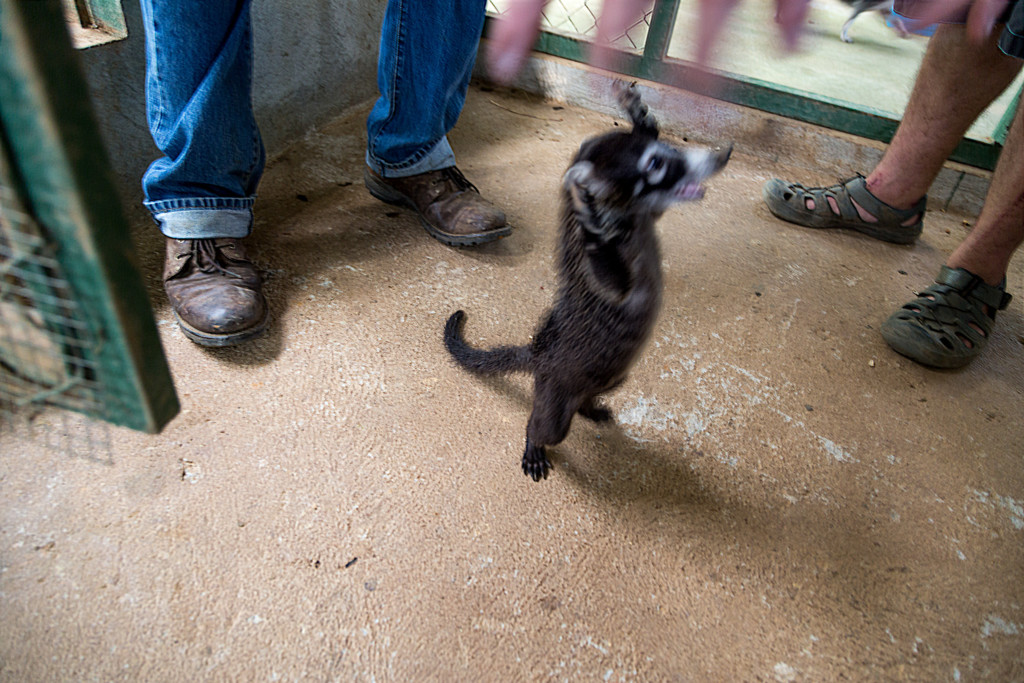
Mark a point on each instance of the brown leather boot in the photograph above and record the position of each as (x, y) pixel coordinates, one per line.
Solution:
(215, 291)
(450, 207)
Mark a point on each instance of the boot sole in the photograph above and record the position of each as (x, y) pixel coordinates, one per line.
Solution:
(211, 340)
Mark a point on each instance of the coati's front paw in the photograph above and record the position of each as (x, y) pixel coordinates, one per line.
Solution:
(535, 462)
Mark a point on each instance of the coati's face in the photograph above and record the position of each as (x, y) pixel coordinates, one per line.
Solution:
(619, 174)
(636, 172)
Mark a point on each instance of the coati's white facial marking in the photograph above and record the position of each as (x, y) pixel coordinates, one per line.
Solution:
(666, 174)
(651, 164)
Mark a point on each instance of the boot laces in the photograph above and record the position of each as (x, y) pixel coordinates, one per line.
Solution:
(454, 175)
(209, 259)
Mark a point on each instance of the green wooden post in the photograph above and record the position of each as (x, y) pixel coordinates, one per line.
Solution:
(1003, 127)
(663, 19)
(60, 165)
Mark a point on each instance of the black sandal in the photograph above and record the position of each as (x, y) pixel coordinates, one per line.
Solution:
(947, 326)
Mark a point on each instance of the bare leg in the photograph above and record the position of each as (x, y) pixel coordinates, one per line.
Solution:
(955, 83)
(987, 250)
(957, 80)
(936, 331)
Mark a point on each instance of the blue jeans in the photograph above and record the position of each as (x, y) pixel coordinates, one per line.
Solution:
(199, 104)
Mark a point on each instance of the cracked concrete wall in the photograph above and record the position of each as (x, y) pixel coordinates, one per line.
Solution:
(313, 60)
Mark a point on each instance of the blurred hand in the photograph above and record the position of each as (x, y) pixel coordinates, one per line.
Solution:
(981, 15)
(791, 16)
(515, 32)
(512, 38)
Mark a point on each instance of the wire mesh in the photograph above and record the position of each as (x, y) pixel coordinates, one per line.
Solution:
(578, 19)
(47, 348)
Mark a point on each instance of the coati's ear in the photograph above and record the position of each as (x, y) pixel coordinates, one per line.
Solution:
(587, 192)
(583, 188)
(629, 99)
(577, 182)
(578, 175)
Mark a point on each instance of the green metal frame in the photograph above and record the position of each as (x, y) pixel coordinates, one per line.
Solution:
(655, 65)
(105, 14)
(61, 169)
(1003, 127)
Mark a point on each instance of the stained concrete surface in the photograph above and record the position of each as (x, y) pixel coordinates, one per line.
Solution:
(780, 498)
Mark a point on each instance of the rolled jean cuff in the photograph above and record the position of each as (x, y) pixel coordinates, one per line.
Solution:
(440, 156)
(195, 224)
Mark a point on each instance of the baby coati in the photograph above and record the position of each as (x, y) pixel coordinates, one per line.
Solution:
(609, 277)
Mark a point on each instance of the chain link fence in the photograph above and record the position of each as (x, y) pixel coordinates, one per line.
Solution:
(47, 348)
(578, 19)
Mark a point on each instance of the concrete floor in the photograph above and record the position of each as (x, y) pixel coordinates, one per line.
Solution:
(781, 497)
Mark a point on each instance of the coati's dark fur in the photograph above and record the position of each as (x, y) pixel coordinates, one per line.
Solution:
(609, 277)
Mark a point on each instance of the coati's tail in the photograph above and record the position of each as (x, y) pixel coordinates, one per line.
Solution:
(484, 362)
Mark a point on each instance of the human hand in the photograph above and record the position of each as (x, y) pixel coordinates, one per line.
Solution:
(516, 31)
(981, 15)
(512, 37)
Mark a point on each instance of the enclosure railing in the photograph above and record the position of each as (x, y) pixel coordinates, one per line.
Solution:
(643, 50)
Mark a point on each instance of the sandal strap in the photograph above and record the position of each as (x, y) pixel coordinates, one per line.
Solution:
(942, 309)
(857, 188)
(820, 196)
(851, 190)
(967, 284)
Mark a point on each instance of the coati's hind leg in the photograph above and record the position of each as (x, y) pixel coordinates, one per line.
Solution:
(592, 408)
(594, 411)
(549, 423)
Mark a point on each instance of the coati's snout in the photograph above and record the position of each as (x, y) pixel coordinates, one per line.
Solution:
(680, 173)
